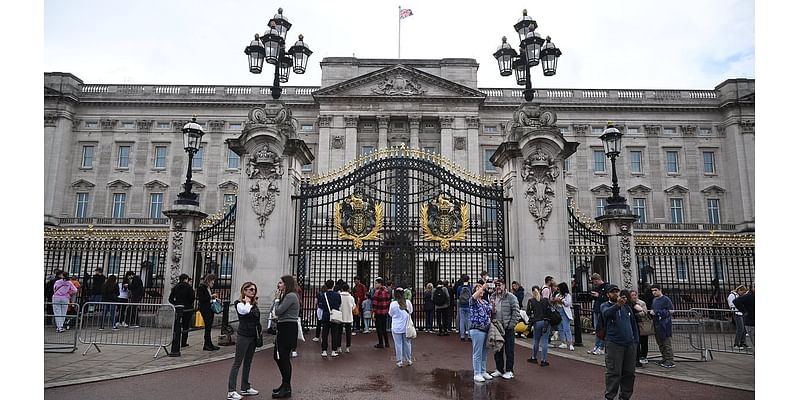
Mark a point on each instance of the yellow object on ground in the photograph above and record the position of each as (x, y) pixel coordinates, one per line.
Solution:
(198, 320)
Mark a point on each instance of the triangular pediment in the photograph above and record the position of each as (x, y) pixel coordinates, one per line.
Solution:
(601, 189)
(156, 184)
(119, 184)
(640, 189)
(571, 189)
(228, 185)
(198, 185)
(82, 184)
(677, 189)
(713, 189)
(398, 82)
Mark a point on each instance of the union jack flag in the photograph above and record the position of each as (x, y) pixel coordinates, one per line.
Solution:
(405, 13)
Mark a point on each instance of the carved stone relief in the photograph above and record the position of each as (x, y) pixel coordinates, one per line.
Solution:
(216, 125)
(540, 172)
(459, 143)
(747, 126)
(77, 124)
(473, 122)
(688, 130)
(50, 119)
(177, 253)
(108, 124)
(325, 121)
(144, 125)
(580, 129)
(264, 167)
(351, 121)
(337, 142)
(653, 130)
(399, 86)
(625, 255)
(446, 122)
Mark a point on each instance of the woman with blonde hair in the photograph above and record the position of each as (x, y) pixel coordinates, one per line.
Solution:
(427, 306)
(536, 308)
(249, 325)
(400, 310)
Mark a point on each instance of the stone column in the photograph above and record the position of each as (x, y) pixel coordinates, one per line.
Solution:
(473, 145)
(622, 269)
(264, 215)
(184, 222)
(383, 131)
(338, 139)
(530, 158)
(323, 149)
(62, 95)
(446, 129)
(413, 122)
(350, 138)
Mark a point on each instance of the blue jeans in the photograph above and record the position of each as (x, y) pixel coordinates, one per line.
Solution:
(428, 320)
(479, 350)
(541, 330)
(463, 321)
(109, 309)
(600, 344)
(564, 329)
(402, 347)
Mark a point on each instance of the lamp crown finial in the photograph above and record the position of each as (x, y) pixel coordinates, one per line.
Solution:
(194, 117)
(300, 37)
(505, 39)
(280, 10)
(610, 123)
(257, 37)
(524, 12)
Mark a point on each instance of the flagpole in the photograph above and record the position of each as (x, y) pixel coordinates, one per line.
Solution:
(398, 31)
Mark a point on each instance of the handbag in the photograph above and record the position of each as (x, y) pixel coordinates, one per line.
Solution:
(646, 327)
(259, 336)
(300, 336)
(216, 306)
(198, 320)
(356, 311)
(336, 315)
(411, 331)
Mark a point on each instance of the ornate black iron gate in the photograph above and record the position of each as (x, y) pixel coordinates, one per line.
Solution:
(405, 215)
(213, 250)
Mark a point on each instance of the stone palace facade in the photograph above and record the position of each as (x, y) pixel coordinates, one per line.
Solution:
(114, 152)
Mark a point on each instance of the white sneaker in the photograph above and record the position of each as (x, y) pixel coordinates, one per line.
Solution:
(571, 348)
(124, 325)
(366, 332)
(478, 378)
(347, 350)
(334, 354)
(324, 353)
(249, 392)
(316, 339)
(643, 361)
(294, 354)
(562, 346)
(409, 363)
(234, 396)
(353, 334)
(399, 364)
(508, 375)
(592, 351)
(116, 325)
(496, 373)
(486, 376)
(599, 352)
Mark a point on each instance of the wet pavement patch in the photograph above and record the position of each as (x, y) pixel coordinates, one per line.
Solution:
(459, 385)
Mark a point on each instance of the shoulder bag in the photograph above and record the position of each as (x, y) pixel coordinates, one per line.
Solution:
(259, 336)
(411, 331)
(336, 315)
(646, 327)
(216, 306)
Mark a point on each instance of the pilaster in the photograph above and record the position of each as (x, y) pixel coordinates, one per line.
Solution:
(413, 122)
(323, 149)
(473, 145)
(383, 131)
(446, 129)
(350, 137)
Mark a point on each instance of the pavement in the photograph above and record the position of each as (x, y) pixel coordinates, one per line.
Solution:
(726, 370)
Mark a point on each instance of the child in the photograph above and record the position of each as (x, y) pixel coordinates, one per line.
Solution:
(366, 312)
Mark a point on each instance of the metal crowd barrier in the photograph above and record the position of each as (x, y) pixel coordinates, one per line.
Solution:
(60, 342)
(720, 331)
(688, 338)
(126, 324)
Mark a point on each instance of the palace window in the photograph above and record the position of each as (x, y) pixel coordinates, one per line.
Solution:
(160, 158)
(676, 210)
(156, 204)
(233, 160)
(712, 205)
(599, 206)
(599, 161)
(709, 166)
(487, 160)
(82, 205)
(636, 161)
(88, 156)
(118, 210)
(640, 209)
(123, 156)
(672, 162)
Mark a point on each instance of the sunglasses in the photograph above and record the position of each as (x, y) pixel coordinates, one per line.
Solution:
(250, 288)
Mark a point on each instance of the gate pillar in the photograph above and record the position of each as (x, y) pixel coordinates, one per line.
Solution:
(272, 155)
(532, 158)
(622, 270)
(184, 221)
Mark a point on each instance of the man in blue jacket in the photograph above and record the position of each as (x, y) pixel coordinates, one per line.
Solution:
(622, 340)
(662, 321)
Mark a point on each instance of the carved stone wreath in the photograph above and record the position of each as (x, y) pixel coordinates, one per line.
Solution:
(530, 116)
(541, 172)
(264, 167)
(177, 253)
(625, 255)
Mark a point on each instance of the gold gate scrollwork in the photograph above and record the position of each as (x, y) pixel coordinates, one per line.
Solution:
(358, 218)
(444, 219)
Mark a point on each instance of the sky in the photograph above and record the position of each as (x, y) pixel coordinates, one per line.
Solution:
(612, 44)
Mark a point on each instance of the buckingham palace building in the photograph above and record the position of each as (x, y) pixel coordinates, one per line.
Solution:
(115, 162)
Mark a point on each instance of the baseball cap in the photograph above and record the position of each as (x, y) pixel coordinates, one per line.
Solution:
(612, 287)
(379, 280)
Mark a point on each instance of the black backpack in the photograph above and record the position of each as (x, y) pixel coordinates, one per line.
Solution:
(439, 297)
(464, 295)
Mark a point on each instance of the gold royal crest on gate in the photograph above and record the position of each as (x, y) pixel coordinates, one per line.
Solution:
(358, 218)
(444, 219)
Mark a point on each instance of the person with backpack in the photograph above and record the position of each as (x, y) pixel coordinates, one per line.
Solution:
(441, 303)
(599, 292)
(622, 341)
(506, 312)
(463, 293)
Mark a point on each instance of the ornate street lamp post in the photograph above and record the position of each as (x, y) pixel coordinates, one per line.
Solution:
(271, 47)
(533, 50)
(612, 142)
(192, 133)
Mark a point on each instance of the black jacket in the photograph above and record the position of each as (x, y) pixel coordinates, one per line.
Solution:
(203, 298)
(136, 288)
(97, 284)
(182, 294)
(747, 305)
(535, 309)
